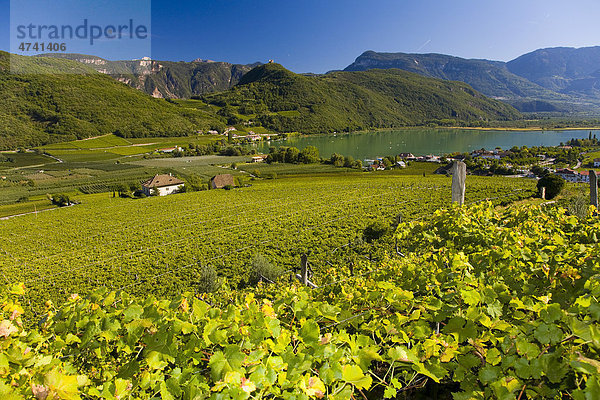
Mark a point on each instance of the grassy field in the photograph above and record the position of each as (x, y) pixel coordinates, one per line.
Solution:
(589, 158)
(94, 171)
(18, 160)
(157, 244)
(93, 143)
(27, 183)
(113, 147)
(293, 169)
(26, 207)
(82, 155)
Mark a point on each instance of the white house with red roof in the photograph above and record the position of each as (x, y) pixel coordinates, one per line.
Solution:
(163, 185)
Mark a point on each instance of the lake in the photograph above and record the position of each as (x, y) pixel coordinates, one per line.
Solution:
(425, 141)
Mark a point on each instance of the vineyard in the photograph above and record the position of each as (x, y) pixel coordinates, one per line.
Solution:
(479, 302)
(160, 245)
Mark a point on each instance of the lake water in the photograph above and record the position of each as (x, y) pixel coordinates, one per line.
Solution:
(425, 141)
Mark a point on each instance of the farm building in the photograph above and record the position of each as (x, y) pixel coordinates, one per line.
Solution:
(570, 175)
(170, 149)
(220, 181)
(259, 158)
(164, 184)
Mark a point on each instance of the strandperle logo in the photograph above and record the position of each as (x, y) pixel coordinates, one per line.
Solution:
(81, 30)
(85, 31)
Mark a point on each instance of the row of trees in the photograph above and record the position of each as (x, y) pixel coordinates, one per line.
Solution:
(292, 155)
(339, 160)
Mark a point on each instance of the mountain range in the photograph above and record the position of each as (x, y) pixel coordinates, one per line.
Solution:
(55, 99)
(546, 80)
(72, 96)
(553, 79)
(167, 79)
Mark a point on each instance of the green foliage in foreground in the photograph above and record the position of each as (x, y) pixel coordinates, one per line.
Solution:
(349, 101)
(61, 100)
(486, 304)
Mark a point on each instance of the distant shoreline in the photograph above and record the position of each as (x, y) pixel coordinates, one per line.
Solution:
(470, 128)
(533, 129)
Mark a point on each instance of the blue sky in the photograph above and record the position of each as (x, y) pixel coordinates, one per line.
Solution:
(317, 36)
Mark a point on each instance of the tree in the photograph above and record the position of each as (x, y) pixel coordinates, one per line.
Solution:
(263, 270)
(349, 162)
(208, 280)
(133, 186)
(553, 184)
(291, 155)
(194, 183)
(337, 160)
(376, 230)
(309, 155)
(539, 171)
(60, 200)
(122, 189)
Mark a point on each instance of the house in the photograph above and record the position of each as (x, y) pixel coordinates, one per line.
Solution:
(220, 181)
(170, 149)
(489, 155)
(584, 176)
(596, 162)
(375, 167)
(568, 174)
(406, 155)
(430, 158)
(259, 158)
(163, 184)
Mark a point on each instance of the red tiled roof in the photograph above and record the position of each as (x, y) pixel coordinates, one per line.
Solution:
(220, 181)
(162, 181)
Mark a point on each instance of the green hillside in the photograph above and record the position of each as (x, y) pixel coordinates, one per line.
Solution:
(62, 100)
(347, 101)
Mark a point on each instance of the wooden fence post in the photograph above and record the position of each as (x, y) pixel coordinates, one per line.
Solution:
(459, 177)
(304, 267)
(593, 188)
